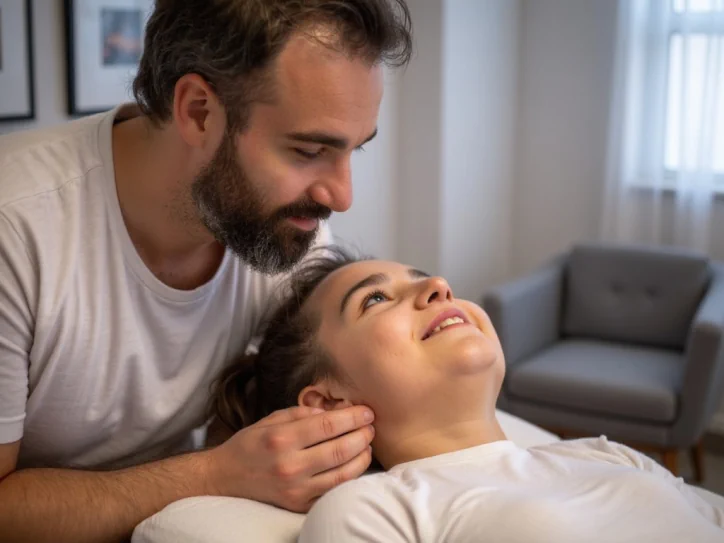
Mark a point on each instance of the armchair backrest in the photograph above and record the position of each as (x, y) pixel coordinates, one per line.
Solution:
(633, 294)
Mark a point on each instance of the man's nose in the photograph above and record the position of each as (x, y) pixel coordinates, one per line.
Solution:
(335, 189)
(433, 289)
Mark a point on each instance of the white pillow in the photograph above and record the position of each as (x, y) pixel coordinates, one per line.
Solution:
(211, 519)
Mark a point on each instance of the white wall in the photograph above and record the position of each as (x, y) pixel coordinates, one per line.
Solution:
(457, 110)
(566, 63)
(479, 101)
(371, 223)
(420, 133)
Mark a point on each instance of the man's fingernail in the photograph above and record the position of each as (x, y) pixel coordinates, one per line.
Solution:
(368, 415)
(317, 410)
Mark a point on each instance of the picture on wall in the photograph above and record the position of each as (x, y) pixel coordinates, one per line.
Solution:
(104, 46)
(17, 99)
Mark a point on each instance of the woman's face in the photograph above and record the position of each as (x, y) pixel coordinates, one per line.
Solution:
(403, 341)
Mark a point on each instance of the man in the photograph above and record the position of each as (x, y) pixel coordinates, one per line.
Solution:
(139, 250)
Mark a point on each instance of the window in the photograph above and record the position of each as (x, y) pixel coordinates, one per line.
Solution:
(695, 86)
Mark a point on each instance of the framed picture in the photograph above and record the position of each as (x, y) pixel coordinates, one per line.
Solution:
(104, 45)
(17, 99)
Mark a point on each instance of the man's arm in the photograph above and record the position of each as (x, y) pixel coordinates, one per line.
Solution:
(289, 459)
(58, 505)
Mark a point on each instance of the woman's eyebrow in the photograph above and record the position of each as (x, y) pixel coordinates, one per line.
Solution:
(374, 279)
(417, 274)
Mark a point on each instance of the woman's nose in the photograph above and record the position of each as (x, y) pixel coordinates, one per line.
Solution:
(434, 289)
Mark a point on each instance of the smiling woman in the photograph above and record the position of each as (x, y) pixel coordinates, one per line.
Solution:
(361, 331)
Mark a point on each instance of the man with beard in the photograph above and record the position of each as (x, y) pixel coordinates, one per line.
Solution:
(139, 251)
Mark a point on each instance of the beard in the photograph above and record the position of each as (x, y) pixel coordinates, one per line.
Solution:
(234, 211)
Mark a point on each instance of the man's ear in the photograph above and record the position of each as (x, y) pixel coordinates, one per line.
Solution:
(199, 115)
(322, 396)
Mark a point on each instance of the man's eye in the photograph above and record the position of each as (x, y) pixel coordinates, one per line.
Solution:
(307, 154)
(374, 298)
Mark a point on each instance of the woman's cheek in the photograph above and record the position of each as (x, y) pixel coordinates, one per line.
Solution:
(481, 317)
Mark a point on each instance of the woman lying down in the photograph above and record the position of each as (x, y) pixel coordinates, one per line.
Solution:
(431, 367)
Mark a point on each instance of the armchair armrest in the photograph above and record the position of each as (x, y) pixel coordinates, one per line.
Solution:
(703, 382)
(526, 312)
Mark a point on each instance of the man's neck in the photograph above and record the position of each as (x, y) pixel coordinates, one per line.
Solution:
(152, 176)
(439, 438)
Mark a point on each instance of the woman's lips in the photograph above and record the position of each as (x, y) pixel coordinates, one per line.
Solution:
(442, 317)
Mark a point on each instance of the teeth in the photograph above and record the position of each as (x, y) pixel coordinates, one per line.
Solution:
(447, 322)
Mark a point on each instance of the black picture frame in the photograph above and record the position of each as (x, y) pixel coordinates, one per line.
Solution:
(29, 114)
(94, 68)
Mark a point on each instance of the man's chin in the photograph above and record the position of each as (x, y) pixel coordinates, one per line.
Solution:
(275, 257)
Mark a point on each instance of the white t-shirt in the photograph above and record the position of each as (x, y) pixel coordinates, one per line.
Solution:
(569, 492)
(101, 364)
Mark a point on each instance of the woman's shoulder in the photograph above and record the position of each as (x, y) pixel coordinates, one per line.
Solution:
(367, 503)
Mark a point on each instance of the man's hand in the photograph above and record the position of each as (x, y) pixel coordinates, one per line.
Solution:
(294, 456)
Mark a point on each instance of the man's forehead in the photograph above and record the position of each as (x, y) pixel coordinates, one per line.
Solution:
(312, 74)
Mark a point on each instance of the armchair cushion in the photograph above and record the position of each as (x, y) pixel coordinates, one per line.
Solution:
(605, 378)
(633, 294)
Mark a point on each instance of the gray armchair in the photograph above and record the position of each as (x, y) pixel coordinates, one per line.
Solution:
(622, 341)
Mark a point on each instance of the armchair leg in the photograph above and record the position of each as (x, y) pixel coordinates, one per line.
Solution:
(671, 461)
(697, 460)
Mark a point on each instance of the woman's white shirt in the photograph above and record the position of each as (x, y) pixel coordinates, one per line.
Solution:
(588, 490)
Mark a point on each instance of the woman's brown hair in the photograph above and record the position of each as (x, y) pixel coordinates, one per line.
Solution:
(289, 358)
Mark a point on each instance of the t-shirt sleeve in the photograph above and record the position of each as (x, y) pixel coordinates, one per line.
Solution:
(360, 511)
(17, 278)
(623, 455)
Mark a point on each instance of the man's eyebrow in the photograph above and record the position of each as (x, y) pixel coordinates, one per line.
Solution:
(322, 138)
(376, 279)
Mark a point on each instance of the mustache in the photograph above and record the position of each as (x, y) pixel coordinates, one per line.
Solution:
(306, 209)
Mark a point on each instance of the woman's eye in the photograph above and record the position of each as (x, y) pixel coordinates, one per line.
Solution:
(374, 299)
(307, 154)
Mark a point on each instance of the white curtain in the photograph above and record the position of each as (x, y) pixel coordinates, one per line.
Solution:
(665, 159)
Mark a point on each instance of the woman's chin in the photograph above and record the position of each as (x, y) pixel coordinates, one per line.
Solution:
(471, 356)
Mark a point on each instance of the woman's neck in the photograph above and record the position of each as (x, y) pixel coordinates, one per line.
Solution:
(435, 440)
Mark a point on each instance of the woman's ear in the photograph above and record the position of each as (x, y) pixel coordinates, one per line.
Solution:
(321, 396)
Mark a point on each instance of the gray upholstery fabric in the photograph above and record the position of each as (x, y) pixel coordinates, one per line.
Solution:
(704, 377)
(633, 294)
(531, 303)
(600, 377)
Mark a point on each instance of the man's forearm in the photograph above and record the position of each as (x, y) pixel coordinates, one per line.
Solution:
(59, 505)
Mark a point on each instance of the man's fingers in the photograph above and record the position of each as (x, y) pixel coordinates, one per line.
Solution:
(331, 424)
(324, 482)
(337, 452)
(289, 415)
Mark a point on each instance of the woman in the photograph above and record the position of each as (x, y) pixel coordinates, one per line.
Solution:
(431, 367)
